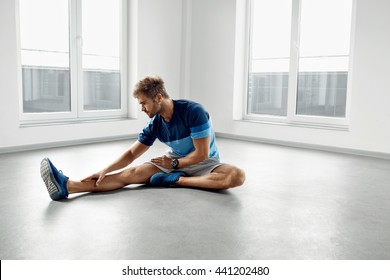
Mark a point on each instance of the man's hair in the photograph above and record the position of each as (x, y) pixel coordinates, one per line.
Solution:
(150, 87)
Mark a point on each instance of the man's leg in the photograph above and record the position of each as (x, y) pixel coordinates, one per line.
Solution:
(224, 176)
(133, 175)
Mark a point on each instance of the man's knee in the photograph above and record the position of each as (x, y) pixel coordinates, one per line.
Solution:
(235, 178)
(238, 177)
(138, 174)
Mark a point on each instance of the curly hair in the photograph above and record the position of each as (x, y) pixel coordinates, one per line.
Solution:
(150, 87)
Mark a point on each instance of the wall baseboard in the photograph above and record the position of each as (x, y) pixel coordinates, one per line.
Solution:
(305, 146)
(40, 146)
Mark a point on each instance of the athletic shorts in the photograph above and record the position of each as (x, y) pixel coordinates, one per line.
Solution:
(201, 168)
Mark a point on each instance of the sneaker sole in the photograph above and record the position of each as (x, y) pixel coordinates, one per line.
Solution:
(47, 178)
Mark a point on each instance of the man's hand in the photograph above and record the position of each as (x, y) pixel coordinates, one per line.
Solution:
(99, 176)
(163, 161)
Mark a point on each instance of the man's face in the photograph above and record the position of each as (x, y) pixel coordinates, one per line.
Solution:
(149, 106)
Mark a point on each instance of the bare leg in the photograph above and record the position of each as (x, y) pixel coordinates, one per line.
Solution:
(133, 175)
(223, 177)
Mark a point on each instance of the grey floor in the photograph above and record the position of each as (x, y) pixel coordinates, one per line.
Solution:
(295, 204)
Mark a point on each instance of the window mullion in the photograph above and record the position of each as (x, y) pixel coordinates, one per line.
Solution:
(80, 80)
(294, 60)
(248, 55)
(75, 42)
(123, 57)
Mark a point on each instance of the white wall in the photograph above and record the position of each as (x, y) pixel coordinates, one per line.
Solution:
(212, 80)
(159, 46)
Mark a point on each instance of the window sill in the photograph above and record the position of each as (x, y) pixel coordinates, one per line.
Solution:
(71, 121)
(300, 124)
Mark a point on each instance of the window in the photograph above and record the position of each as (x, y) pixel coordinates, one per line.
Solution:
(299, 59)
(71, 53)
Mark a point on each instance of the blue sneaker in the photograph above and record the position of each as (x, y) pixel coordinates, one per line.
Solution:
(54, 180)
(166, 179)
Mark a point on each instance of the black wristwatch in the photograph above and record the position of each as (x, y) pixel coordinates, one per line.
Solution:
(175, 163)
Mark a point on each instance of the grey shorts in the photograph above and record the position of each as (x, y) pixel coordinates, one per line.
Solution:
(201, 168)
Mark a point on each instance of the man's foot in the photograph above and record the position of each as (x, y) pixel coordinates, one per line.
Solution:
(54, 180)
(166, 179)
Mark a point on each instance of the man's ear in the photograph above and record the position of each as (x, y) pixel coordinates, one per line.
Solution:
(159, 97)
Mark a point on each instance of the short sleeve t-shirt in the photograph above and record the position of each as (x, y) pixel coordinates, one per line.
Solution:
(189, 121)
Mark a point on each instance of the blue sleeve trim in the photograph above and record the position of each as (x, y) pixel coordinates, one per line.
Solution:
(145, 141)
(201, 131)
(202, 127)
(201, 134)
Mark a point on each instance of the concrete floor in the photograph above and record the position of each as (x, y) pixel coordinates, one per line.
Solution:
(295, 204)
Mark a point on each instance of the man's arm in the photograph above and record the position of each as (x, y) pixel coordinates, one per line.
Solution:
(135, 151)
(201, 152)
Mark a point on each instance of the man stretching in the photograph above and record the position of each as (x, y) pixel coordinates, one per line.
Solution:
(184, 126)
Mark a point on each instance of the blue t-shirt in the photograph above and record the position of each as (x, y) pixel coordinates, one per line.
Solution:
(189, 121)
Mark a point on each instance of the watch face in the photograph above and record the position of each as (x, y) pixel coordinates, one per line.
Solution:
(175, 163)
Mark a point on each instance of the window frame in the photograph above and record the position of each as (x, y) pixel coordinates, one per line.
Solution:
(77, 112)
(292, 118)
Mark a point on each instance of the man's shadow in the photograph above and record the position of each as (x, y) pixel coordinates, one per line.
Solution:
(142, 188)
(54, 207)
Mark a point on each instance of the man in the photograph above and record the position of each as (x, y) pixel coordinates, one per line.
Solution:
(184, 126)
